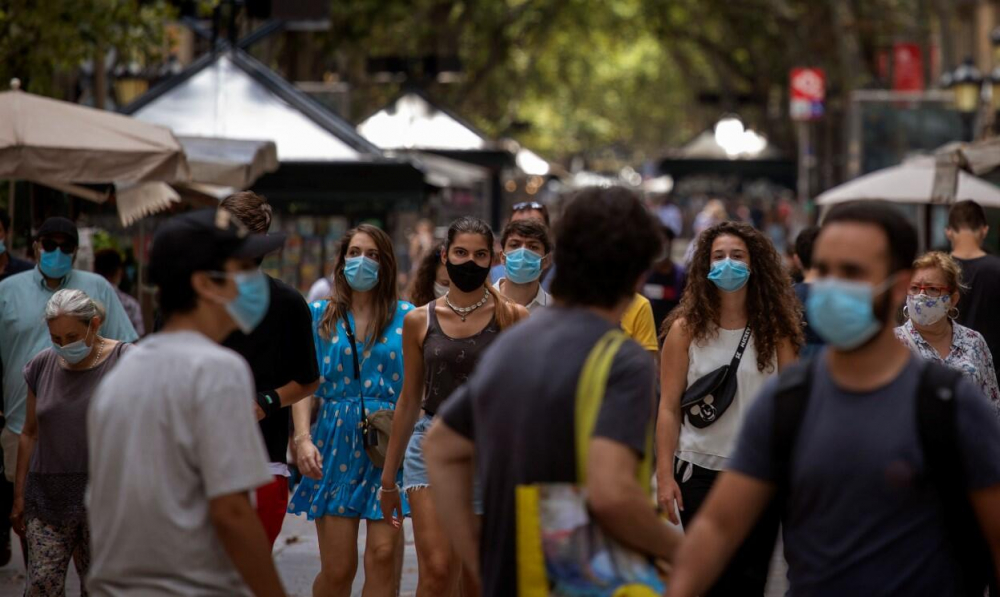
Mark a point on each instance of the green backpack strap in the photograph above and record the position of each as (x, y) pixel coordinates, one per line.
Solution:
(590, 390)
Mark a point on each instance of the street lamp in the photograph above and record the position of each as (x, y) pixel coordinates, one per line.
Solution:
(967, 82)
(130, 82)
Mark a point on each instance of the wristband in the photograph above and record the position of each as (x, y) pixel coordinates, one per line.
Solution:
(382, 490)
(269, 402)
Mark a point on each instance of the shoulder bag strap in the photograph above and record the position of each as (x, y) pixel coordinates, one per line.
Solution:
(937, 423)
(357, 364)
(740, 349)
(790, 402)
(590, 390)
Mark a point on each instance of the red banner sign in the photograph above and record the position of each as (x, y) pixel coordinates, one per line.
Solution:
(808, 90)
(907, 67)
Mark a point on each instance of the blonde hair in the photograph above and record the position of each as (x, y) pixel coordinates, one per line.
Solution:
(944, 262)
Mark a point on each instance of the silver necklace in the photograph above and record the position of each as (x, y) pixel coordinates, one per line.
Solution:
(463, 312)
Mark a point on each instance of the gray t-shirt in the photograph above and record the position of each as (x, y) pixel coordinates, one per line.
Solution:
(57, 475)
(519, 408)
(171, 428)
(859, 519)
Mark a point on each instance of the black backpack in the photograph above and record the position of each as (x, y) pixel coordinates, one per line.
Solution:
(938, 432)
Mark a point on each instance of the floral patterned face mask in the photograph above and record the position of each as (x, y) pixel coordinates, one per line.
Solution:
(925, 310)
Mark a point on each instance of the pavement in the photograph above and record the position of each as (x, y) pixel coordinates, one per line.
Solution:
(296, 553)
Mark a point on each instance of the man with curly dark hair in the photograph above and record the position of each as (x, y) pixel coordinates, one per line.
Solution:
(515, 418)
(739, 300)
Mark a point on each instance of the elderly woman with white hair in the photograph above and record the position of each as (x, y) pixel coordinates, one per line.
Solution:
(51, 473)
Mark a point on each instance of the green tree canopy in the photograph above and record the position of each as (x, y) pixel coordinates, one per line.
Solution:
(42, 40)
(583, 74)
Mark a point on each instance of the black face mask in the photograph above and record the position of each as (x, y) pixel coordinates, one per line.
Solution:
(467, 276)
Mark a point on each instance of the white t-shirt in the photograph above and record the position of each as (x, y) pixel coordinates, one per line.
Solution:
(319, 290)
(542, 298)
(712, 446)
(170, 428)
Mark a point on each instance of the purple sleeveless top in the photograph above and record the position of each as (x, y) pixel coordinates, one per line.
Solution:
(448, 362)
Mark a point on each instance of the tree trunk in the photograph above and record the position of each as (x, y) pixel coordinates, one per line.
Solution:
(100, 78)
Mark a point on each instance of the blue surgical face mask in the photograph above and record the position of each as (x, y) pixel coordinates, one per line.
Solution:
(250, 305)
(842, 312)
(361, 273)
(55, 264)
(729, 275)
(73, 352)
(523, 266)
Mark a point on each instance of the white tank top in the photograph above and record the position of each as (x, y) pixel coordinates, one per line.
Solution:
(712, 446)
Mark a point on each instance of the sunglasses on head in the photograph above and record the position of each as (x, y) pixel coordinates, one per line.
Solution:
(527, 205)
(49, 245)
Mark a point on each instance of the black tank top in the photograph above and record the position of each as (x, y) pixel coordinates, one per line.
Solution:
(448, 362)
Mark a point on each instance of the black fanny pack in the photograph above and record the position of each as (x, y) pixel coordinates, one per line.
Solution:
(709, 397)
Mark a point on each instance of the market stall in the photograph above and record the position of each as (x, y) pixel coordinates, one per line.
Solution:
(414, 122)
(328, 177)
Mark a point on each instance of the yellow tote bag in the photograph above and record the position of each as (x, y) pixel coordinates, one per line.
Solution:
(561, 552)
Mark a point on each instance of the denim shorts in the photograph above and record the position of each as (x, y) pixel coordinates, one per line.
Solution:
(415, 469)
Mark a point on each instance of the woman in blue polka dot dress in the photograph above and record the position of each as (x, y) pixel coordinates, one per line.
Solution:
(341, 484)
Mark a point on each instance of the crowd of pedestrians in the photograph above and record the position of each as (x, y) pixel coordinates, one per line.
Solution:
(506, 403)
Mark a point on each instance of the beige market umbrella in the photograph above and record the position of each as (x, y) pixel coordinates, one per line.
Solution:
(43, 139)
(911, 182)
(63, 145)
(219, 168)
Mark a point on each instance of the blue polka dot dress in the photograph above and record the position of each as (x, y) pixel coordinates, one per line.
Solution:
(350, 481)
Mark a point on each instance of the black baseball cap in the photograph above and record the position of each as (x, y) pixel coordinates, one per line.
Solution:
(201, 240)
(57, 225)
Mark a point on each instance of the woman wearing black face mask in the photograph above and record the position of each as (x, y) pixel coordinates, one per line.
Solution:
(442, 342)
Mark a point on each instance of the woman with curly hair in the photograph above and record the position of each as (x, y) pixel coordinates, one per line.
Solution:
(431, 281)
(737, 294)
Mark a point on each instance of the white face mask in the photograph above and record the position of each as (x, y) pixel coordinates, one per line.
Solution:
(440, 290)
(924, 310)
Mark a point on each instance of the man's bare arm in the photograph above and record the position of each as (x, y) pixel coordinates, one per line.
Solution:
(449, 465)
(619, 503)
(243, 537)
(986, 503)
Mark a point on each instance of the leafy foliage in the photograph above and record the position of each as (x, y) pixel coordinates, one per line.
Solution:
(563, 76)
(41, 40)
(583, 74)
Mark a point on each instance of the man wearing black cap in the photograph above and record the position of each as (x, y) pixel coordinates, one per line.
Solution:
(174, 445)
(281, 353)
(23, 333)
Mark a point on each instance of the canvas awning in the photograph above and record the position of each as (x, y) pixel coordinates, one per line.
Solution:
(232, 95)
(232, 163)
(412, 121)
(911, 182)
(219, 168)
(445, 172)
(42, 139)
